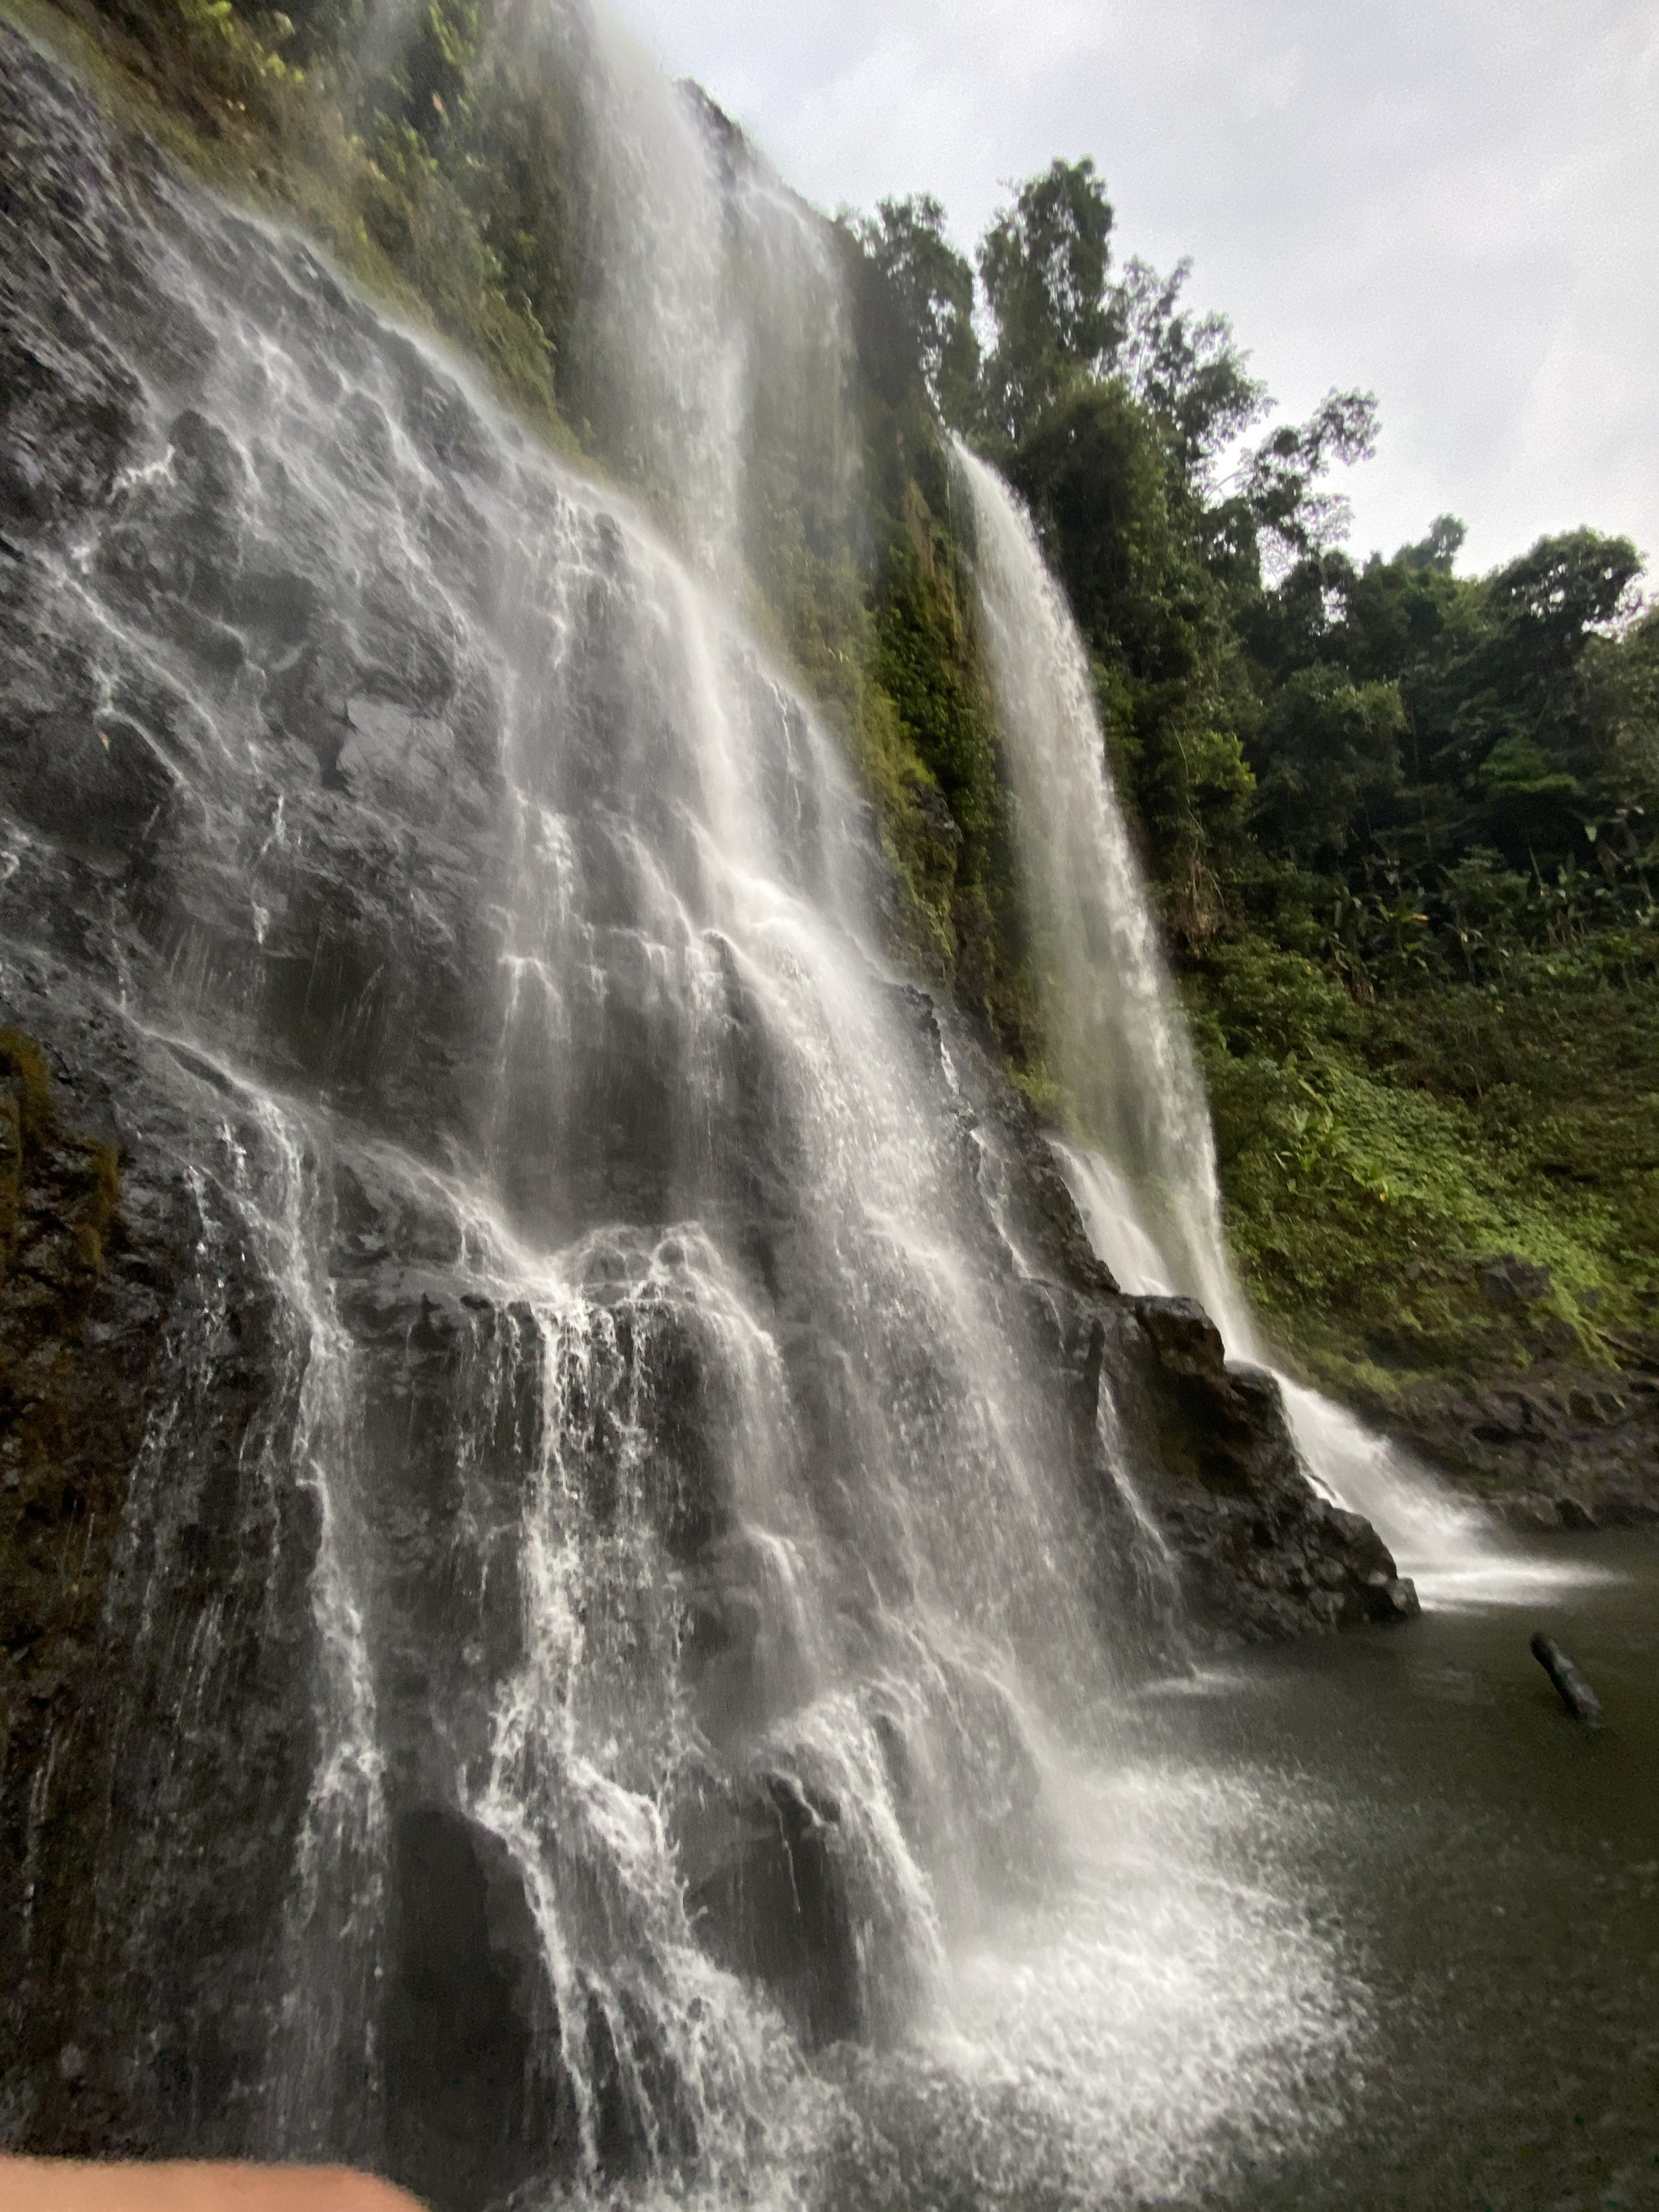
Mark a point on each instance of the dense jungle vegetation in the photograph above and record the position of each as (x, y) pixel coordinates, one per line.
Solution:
(1401, 821)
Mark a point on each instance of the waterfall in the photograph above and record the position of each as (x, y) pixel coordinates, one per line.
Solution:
(712, 350)
(624, 1666)
(631, 1631)
(1143, 1169)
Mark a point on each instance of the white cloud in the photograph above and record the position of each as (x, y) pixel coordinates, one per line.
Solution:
(1452, 200)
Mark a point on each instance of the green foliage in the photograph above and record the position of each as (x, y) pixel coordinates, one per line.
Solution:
(59, 1509)
(1620, 681)
(1043, 264)
(30, 1114)
(1440, 549)
(1327, 749)
(932, 285)
(957, 834)
(57, 1194)
(1377, 1162)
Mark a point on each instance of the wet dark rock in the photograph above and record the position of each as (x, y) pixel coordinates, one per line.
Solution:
(774, 1904)
(1261, 1554)
(1390, 1597)
(134, 1379)
(468, 2007)
(1512, 1281)
(1528, 1510)
(1204, 1444)
(1523, 1444)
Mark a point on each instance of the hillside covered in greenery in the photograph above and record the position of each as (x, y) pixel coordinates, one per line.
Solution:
(1402, 822)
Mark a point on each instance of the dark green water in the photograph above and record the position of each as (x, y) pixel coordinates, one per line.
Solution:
(1492, 1876)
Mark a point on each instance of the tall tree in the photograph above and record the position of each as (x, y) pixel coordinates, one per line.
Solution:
(1187, 369)
(1044, 263)
(1292, 516)
(933, 286)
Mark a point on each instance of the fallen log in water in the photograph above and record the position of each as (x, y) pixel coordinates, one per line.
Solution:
(1576, 1693)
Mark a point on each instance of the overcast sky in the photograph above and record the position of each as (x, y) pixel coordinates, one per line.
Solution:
(1452, 201)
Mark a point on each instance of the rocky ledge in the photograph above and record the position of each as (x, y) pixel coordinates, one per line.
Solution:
(1555, 1445)
(1165, 1432)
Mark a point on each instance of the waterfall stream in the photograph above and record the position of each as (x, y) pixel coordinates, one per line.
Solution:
(1145, 1180)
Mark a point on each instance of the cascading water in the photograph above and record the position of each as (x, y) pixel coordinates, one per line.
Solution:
(714, 321)
(610, 1607)
(1145, 1180)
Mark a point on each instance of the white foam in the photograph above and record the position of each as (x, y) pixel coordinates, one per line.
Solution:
(1170, 2010)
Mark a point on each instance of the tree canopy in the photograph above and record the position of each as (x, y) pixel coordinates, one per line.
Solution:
(1043, 264)
(1271, 703)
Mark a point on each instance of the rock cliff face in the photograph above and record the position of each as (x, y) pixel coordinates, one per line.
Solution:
(541, 1387)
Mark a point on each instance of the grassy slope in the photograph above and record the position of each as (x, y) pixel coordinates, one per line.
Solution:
(1383, 1163)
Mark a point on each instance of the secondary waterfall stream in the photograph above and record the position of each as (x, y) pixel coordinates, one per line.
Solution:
(1147, 1182)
